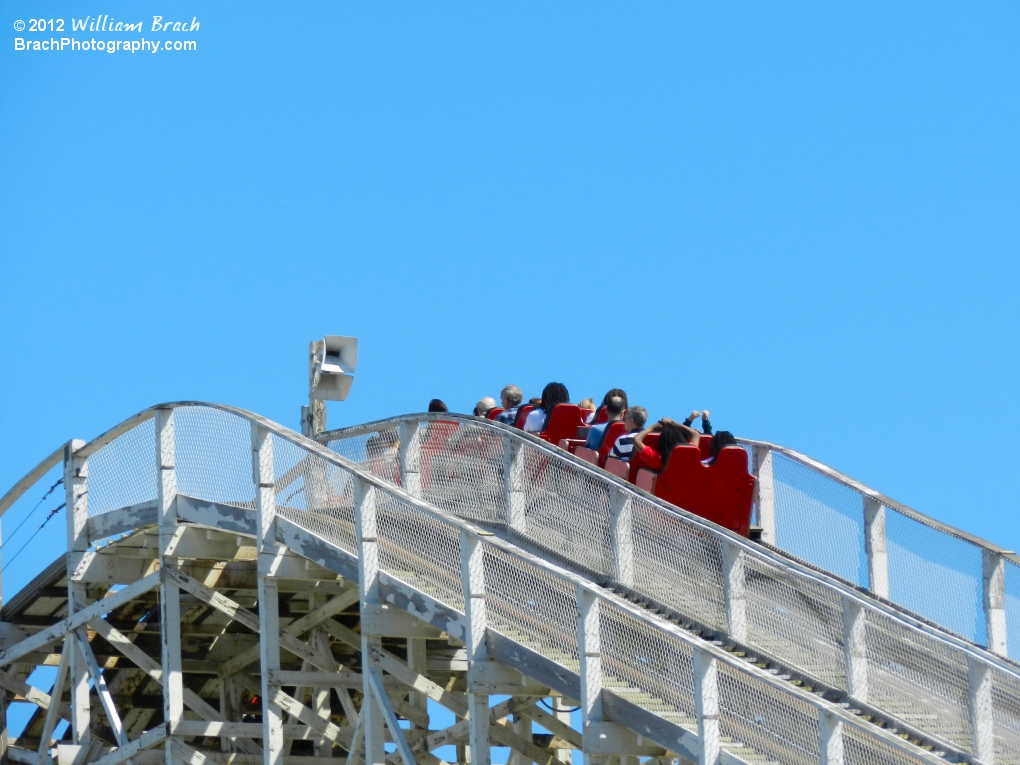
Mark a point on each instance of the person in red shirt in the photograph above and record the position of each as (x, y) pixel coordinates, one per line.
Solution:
(671, 434)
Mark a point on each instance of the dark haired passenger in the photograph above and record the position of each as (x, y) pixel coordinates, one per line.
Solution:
(552, 394)
(611, 393)
(671, 434)
(720, 441)
(615, 409)
(706, 426)
(435, 405)
(635, 419)
(510, 397)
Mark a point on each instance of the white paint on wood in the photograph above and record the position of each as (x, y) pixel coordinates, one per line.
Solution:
(982, 720)
(855, 654)
(621, 529)
(994, 598)
(875, 547)
(830, 739)
(706, 705)
(734, 591)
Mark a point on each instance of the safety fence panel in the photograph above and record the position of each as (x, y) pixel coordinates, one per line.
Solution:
(570, 510)
(538, 496)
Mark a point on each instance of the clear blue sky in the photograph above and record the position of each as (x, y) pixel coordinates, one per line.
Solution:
(803, 217)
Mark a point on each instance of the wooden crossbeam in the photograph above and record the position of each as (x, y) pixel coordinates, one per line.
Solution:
(147, 664)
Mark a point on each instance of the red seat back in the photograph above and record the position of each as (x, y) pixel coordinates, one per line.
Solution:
(588, 455)
(646, 480)
(491, 414)
(720, 492)
(619, 468)
(600, 416)
(522, 415)
(563, 422)
(613, 431)
(704, 445)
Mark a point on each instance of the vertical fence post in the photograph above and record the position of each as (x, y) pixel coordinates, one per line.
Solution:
(513, 487)
(993, 580)
(169, 594)
(76, 473)
(268, 591)
(734, 591)
(764, 493)
(855, 654)
(982, 721)
(472, 574)
(830, 739)
(409, 456)
(706, 705)
(589, 651)
(874, 547)
(621, 529)
(368, 585)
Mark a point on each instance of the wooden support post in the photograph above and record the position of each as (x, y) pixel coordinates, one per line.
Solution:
(855, 654)
(706, 705)
(409, 456)
(589, 649)
(76, 499)
(368, 586)
(874, 547)
(268, 592)
(472, 574)
(993, 579)
(982, 720)
(830, 739)
(513, 487)
(323, 747)
(99, 683)
(50, 721)
(734, 591)
(621, 529)
(417, 660)
(561, 712)
(169, 595)
(764, 493)
(522, 727)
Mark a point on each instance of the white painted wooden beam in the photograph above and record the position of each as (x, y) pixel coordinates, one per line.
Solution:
(993, 579)
(764, 493)
(855, 654)
(706, 706)
(76, 512)
(368, 575)
(734, 591)
(621, 529)
(472, 577)
(875, 547)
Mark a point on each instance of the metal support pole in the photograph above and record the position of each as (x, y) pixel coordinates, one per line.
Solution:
(409, 456)
(993, 576)
(734, 591)
(513, 487)
(368, 585)
(855, 654)
(268, 592)
(472, 574)
(830, 739)
(621, 529)
(764, 493)
(169, 594)
(76, 499)
(706, 705)
(874, 547)
(982, 720)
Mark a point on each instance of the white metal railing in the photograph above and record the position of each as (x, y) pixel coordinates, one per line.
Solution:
(873, 653)
(225, 455)
(953, 578)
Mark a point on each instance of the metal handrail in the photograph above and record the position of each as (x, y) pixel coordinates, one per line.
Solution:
(831, 712)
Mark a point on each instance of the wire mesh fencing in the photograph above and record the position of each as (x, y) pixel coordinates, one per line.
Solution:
(578, 515)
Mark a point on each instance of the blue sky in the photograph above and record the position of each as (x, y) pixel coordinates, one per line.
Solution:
(800, 216)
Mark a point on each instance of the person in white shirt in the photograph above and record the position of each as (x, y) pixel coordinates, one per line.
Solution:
(552, 394)
(635, 420)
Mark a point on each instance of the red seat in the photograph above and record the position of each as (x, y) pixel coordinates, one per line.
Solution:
(704, 445)
(600, 416)
(720, 492)
(588, 455)
(619, 468)
(522, 415)
(491, 414)
(563, 422)
(646, 480)
(651, 441)
(571, 444)
(613, 431)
